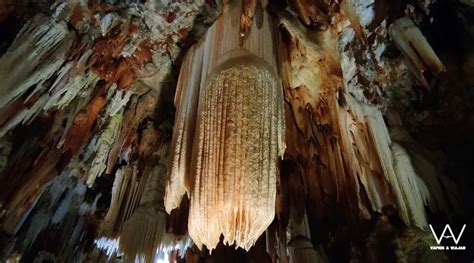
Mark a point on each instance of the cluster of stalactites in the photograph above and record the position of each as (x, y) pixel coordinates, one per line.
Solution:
(144, 232)
(239, 136)
(346, 141)
(135, 225)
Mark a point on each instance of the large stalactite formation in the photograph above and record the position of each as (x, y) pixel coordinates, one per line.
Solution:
(235, 130)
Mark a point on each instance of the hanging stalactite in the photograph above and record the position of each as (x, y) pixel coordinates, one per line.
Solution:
(230, 170)
(239, 137)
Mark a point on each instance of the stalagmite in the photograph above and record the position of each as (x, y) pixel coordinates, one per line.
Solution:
(238, 138)
(302, 250)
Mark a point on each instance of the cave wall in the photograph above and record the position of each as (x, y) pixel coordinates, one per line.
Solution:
(377, 101)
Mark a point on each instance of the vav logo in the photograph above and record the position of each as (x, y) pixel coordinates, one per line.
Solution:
(447, 234)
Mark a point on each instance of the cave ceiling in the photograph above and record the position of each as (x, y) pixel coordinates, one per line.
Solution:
(235, 130)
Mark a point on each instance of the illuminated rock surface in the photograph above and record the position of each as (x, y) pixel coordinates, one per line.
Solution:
(265, 131)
